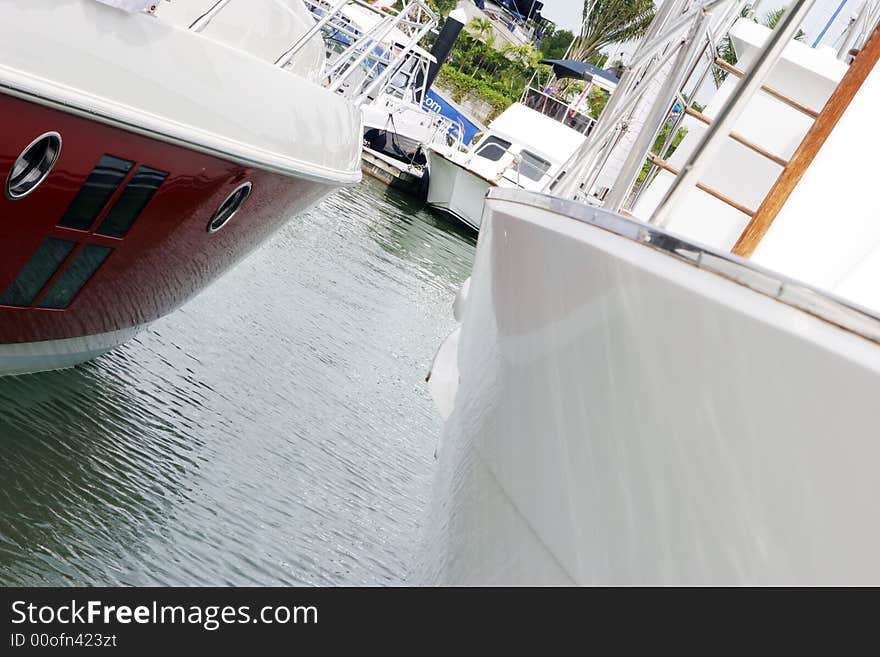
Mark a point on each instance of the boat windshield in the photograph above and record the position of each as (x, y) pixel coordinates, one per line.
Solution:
(493, 149)
(558, 110)
(531, 166)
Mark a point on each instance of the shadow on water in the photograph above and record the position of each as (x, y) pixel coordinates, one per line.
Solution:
(275, 430)
(415, 234)
(410, 208)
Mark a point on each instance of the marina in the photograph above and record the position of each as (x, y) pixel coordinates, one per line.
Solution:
(437, 292)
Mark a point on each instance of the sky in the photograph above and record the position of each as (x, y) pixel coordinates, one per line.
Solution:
(565, 13)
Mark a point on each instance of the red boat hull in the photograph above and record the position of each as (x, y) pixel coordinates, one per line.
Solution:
(166, 256)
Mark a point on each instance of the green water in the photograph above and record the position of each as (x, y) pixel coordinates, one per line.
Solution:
(275, 430)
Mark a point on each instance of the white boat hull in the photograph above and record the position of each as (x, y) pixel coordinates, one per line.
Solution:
(455, 190)
(625, 416)
(400, 132)
(29, 357)
(160, 79)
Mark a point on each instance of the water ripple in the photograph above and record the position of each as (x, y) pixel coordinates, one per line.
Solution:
(273, 431)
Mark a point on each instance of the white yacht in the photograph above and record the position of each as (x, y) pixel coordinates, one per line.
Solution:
(524, 147)
(396, 123)
(679, 386)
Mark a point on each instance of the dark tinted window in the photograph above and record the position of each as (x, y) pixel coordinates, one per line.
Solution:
(77, 274)
(104, 179)
(37, 272)
(531, 166)
(579, 122)
(493, 148)
(134, 198)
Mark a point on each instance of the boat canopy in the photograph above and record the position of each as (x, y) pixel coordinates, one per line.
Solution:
(537, 132)
(569, 68)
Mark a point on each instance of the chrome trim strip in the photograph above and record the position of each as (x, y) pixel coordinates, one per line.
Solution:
(821, 304)
(327, 176)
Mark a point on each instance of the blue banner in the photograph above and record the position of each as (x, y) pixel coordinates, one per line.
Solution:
(434, 102)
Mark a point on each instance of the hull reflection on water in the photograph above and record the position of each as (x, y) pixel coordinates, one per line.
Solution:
(276, 430)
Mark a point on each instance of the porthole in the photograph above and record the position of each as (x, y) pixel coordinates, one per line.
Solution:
(229, 207)
(33, 165)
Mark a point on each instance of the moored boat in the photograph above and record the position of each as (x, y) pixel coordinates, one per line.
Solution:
(395, 122)
(524, 147)
(632, 404)
(148, 148)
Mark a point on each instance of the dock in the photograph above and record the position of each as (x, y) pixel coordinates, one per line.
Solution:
(394, 173)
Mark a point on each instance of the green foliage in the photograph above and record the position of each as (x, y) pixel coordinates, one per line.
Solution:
(658, 145)
(498, 77)
(442, 7)
(611, 21)
(662, 137)
(597, 101)
(661, 140)
(725, 47)
(526, 55)
(774, 16)
(555, 44)
(481, 28)
(460, 84)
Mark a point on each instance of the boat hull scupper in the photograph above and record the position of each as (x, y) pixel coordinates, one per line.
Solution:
(154, 139)
(638, 410)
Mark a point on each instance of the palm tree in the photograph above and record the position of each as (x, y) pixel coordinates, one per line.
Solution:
(774, 16)
(481, 28)
(527, 55)
(607, 22)
(726, 50)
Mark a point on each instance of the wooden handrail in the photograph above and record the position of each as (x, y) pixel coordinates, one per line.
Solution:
(663, 164)
(778, 95)
(809, 147)
(690, 111)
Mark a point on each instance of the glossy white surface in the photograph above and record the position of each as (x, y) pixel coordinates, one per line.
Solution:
(460, 189)
(146, 75)
(526, 130)
(454, 189)
(410, 124)
(442, 378)
(129, 5)
(29, 357)
(540, 134)
(624, 417)
(263, 28)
